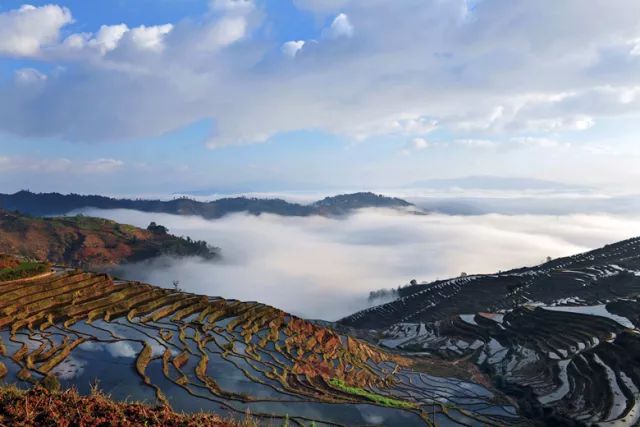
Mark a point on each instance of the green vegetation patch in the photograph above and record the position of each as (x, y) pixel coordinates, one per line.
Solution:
(377, 398)
(25, 269)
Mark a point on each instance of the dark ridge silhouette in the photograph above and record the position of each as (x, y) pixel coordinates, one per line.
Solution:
(561, 338)
(56, 204)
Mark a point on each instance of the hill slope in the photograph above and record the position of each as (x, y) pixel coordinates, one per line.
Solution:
(562, 337)
(199, 353)
(93, 242)
(56, 204)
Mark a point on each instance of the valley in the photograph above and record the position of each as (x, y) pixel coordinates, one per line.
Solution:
(552, 344)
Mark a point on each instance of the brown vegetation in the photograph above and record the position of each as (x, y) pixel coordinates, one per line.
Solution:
(87, 242)
(41, 408)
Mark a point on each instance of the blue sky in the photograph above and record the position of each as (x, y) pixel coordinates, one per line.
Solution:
(149, 97)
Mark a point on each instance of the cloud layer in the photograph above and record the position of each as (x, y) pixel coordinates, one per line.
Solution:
(325, 268)
(372, 68)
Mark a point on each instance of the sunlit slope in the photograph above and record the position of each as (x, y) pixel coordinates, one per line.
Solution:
(91, 242)
(202, 353)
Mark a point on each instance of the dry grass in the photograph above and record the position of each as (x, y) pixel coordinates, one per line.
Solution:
(41, 408)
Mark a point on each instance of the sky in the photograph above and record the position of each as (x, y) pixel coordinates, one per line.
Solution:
(163, 96)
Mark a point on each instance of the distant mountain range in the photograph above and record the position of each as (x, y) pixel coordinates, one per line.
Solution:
(498, 183)
(56, 204)
(82, 241)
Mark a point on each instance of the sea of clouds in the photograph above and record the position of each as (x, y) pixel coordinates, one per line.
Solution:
(324, 268)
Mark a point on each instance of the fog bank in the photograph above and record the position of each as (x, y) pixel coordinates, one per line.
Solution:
(324, 268)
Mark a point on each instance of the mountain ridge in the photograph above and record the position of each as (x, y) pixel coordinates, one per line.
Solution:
(82, 241)
(56, 204)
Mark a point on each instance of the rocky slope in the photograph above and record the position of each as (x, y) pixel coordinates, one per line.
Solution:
(91, 242)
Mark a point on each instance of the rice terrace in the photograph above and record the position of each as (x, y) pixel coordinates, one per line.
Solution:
(195, 352)
(319, 213)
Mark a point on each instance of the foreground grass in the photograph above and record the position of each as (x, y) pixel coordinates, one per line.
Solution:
(377, 398)
(41, 408)
(23, 270)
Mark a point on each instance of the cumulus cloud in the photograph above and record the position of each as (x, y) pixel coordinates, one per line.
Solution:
(340, 27)
(150, 38)
(291, 48)
(25, 31)
(463, 70)
(107, 38)
(324, 268)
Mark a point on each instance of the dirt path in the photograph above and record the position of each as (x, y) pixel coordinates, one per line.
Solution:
(26, 279)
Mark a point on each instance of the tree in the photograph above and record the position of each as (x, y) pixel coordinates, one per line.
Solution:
(157, 229)
(176, 285)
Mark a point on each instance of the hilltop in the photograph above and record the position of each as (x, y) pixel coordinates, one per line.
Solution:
(344, 203)
(56, 204)
(91, 242)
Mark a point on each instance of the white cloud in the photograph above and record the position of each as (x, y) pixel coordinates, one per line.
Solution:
(101, 166)
(25, 31)
(150, 38)
(108, 37)
(324, 268)
(415, 125)
(416, 144)
(635, 47)
(477, 143)
(469, 72)
(291, 48)
(576, 123)
(236, 6)
(29, 76)
(419, 143)
(225, 32)
(529, 141)
(340, 27)
(58, 165)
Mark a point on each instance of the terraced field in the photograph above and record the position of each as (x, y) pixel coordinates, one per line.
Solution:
(561, 337)
(203, 353)
(595, 276)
